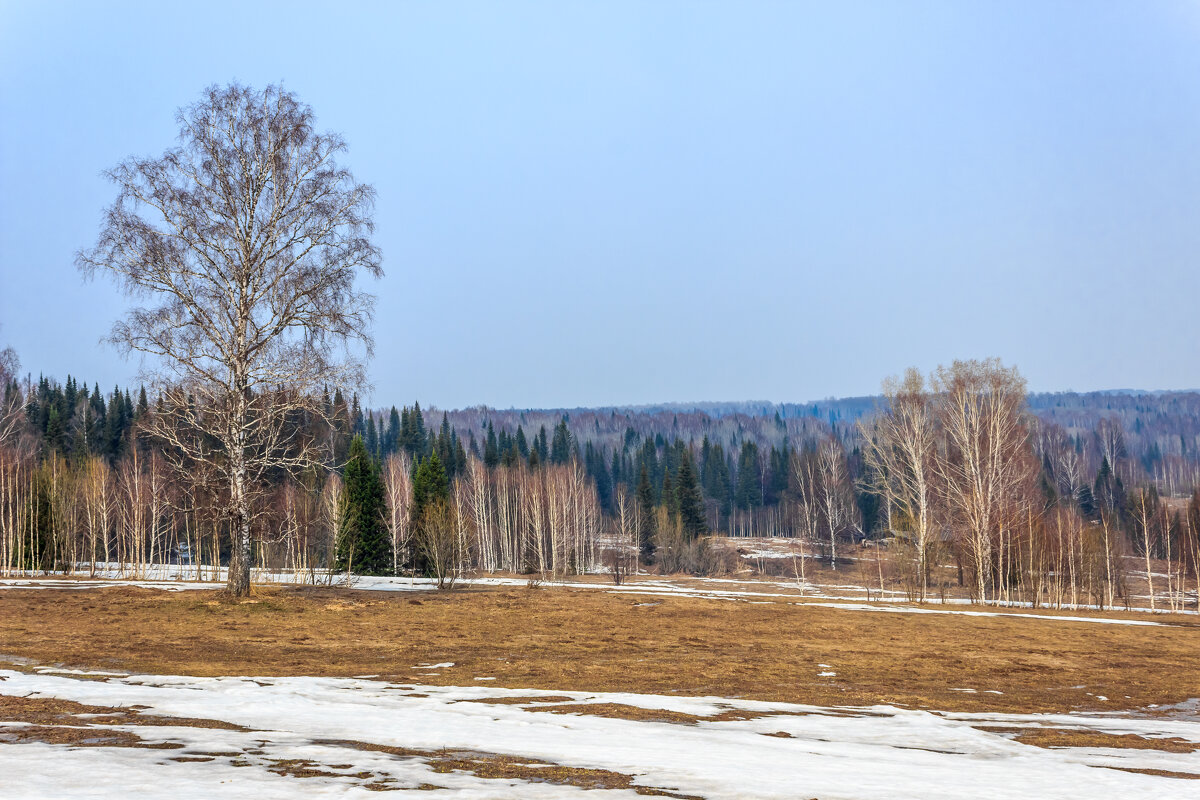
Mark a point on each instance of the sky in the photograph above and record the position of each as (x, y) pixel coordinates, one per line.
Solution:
(635, 202)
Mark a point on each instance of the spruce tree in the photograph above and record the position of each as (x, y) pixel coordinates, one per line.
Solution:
(372, 438)
(689, 503)
(560, 447)
(749, 482)
(420, 438)
(430, 487)
(391, 439)
(363, 545)
(645, 509)
(491, 449)
(668, 496)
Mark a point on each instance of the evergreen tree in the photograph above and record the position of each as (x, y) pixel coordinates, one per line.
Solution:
(364, 545)
(391, 439)
(688, 500)
(420, 437)
(430, 487)
(560, 447)
(749, 481)
(356, 417)
(460, 455)
(645, 509)
(491, 448)
(372, 437)
(339, 433)
(668, 495)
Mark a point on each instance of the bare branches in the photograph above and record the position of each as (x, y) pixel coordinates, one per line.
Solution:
(900, 454)
(986, 464)
(246, 239)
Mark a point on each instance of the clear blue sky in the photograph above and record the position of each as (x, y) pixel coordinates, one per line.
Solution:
(594, 203)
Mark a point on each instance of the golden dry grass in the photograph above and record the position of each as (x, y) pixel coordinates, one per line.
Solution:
(503, 767)
(1074, 737)
(590, 640)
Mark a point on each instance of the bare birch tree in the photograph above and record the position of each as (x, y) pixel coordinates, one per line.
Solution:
(397, 487)
(808, 516)
(835, 494)
(900, 455)
(982, 405)
(12, 417)
(245, 241)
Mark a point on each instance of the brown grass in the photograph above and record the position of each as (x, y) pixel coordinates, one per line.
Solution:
(1074, 737)
(70, 723)
(591, 640)
(1162, 773)
(504, 767)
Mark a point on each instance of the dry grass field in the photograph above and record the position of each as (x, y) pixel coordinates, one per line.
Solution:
(593, 640)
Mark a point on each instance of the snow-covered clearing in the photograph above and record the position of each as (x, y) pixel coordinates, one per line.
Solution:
(336, 727)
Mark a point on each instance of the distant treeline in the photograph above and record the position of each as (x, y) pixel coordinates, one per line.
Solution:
(630, 475)
(741, 450)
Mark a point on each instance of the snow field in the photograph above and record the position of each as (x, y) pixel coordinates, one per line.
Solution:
(790, 751)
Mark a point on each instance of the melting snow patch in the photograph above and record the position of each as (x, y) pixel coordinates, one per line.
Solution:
(872, 753)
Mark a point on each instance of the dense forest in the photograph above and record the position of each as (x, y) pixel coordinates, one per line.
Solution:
(84, 481)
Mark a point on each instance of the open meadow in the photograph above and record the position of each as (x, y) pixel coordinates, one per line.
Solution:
(681, 687)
